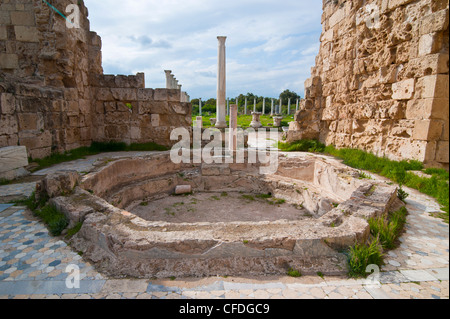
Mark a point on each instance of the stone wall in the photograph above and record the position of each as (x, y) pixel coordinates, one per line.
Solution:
(381, 82)
(53, 93)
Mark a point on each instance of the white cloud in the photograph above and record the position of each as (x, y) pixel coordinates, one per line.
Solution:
(271, 45)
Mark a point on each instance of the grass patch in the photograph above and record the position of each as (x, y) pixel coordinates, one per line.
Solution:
(248, 197)
(55, 220)
(360, 256)
(388, 230)
(311, 146)
(95, 148)
(72, 231)
(294, 273)
(400, 172)
(264, 196)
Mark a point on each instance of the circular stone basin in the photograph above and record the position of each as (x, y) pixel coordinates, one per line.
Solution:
(133, 225)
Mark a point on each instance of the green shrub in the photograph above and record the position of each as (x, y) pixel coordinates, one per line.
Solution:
(294, 273)
(388, 230)
(55, 220)
(361, 255)
(401, 194)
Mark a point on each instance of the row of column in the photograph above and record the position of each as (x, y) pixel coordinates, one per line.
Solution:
(273, 109)
(172, 84)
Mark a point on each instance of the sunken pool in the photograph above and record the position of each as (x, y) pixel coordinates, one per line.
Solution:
(235, 220)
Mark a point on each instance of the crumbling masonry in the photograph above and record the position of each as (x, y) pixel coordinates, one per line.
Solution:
(54, 95)
(381, 81)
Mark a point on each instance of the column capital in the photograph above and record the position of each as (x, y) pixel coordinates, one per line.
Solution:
(221, 39)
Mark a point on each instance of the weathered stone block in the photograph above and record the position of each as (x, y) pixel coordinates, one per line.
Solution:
(124, 94)
(396, 3)
(9, 61)
(24, 18)
(26, 34)
(60, 183)
(155, 120)
(3, 33)
(13, 157)
(434, 22)
(7, 103)
(427, 130)
(8, 125)
(442, 152)
(34, 140)
(104, 94)
(145, 94)
(337, 17)
(403, 90)
(433, 86)
(30, 121)
(429, 43)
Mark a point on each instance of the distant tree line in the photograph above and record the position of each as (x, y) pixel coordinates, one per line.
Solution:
(209, 106)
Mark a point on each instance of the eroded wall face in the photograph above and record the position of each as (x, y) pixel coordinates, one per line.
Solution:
(380, 82)
(50, 82)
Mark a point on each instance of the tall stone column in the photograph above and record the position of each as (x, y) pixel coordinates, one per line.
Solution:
(289, 106)
(221, 85)
(271, 109)
(200, 106)
(279, 107)
(228, 106)
(296, 106)
(254, 105)
(264, 106)
(168, 78)
(245, 107)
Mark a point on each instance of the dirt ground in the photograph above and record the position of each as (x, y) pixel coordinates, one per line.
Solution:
(219, 207)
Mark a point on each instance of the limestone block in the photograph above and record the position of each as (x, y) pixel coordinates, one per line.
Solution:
(104, 94)
(434, 22)
(30, 121)
(3, 33)
(428, 109)
(403, 90)
(396, 3)
(145, 94)
(26, 34)
(60, 183)
(429, 43)
(155, 120)
(337, 17)
(183, 189)
(33, 140)
(442, 152)
(13, 157)
(24, 18)
(8, 125)
(432, 86)
(327, 36)
(124, 94)
(9, 61)
(7, 103)
(427, 130)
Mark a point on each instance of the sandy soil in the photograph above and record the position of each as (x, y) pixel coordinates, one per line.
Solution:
(218, 207)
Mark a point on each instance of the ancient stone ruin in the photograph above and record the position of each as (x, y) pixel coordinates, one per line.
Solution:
(54, 95)
(380, 82)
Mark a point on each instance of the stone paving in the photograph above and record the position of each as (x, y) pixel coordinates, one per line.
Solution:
(35, 265)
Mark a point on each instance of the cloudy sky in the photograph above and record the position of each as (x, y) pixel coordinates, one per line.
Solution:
(271, 45)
